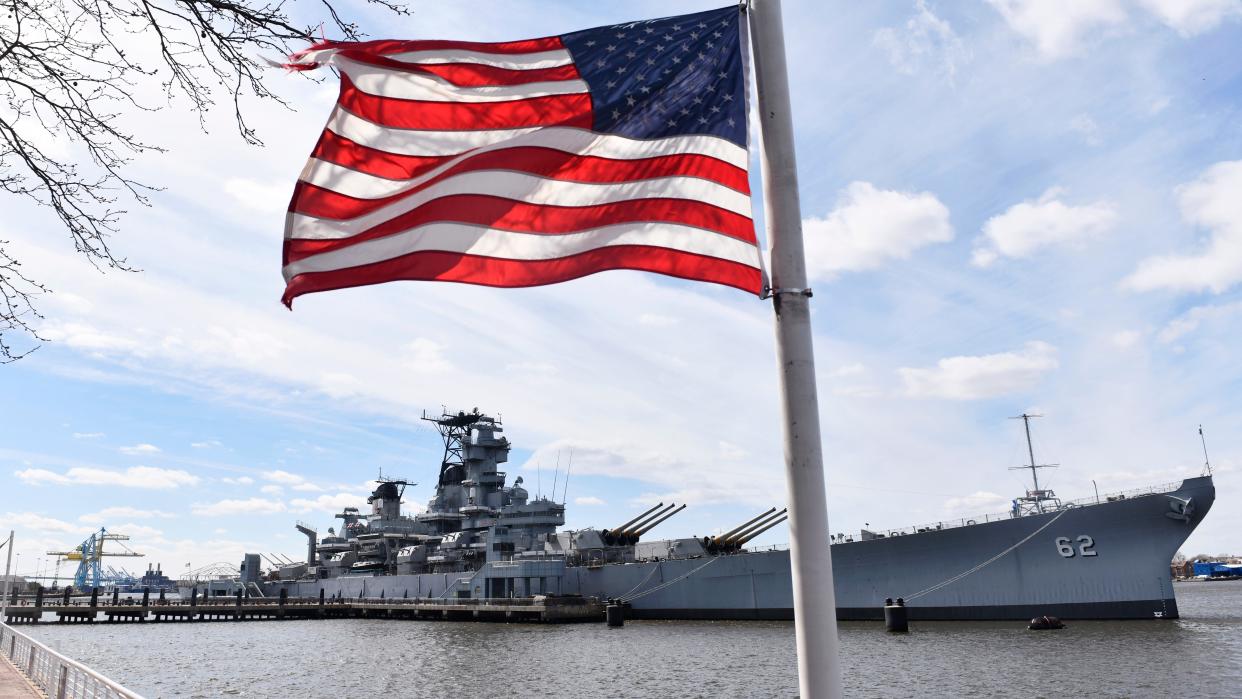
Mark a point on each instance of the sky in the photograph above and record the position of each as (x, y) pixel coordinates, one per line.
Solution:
(1009, 206)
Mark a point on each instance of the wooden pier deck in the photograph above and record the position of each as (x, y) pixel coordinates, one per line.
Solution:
(545, 610)
(13, 684)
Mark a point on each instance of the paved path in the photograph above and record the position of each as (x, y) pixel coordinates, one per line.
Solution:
(13, 684)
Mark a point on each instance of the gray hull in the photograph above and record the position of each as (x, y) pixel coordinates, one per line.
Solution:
(1105, 561)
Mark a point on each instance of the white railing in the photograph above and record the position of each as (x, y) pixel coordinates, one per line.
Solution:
(58, 676)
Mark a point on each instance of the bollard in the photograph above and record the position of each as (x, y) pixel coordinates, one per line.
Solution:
(284, 596)
(614, 614)
(321, 597)
(94, 597)
(162, 599)
(895, 619)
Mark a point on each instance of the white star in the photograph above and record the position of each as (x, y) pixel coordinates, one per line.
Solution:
(685, 47)
(659, 47)
(702, 56)
(591, 42)
(640, 76)
(620, 35)
(649, 30)
(620, 70)
(676, 59)
(718, 35)
(715, 109)
(698, 100)
(728, 98)
(710, 88)
(610, 84)
(644, 89)
(640, 41)
(710, 45)
(694, 35)
(601, 63)
(685, 112)
(702, 26)
(630, 101)
(616, 114)
(672, 122)
(668, 37)
(732, 122)
(723, 75)
(702, 120)
(651, 61)
(610, 47)
(676, 27)
(631, 54)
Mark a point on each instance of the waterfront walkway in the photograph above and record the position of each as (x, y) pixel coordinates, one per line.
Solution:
(13, 684)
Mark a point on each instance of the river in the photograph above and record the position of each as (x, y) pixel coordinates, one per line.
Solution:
(1198, 655)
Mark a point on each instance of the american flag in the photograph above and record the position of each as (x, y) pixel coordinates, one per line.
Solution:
(530, 162)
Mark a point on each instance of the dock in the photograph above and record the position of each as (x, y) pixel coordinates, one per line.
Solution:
(538, 609)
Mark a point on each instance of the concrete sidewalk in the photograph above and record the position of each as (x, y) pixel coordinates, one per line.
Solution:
(13, 684)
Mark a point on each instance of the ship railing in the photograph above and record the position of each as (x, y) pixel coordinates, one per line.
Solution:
(981, 519)
(57, 676)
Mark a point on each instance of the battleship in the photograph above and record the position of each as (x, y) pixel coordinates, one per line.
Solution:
(1099, 558)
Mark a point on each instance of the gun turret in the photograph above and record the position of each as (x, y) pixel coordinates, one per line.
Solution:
(733, 541)
(611, 535)
(656, 523)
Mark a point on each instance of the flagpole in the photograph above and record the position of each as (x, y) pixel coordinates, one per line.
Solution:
(815, 613)
(8, 563)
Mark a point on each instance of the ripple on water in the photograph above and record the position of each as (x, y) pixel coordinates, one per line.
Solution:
(1201, 652)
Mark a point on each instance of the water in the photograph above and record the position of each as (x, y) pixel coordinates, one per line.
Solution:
(1199, 654)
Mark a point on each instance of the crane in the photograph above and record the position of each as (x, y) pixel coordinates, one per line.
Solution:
(89, 554)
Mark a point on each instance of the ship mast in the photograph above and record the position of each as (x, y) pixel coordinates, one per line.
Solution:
(1037, 494)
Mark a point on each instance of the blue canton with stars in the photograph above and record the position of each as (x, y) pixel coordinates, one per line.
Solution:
(676, 76)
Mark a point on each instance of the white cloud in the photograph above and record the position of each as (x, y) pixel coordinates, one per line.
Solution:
(240, 480)
(263, 197)
(140, 449)
(1125, 339)
(1034, 224)
(588, 500)
(327, 503)
(282, 477)
(978, 502)
(40, 523)
(925, 41)
(1085, 126)
(1190, 321)
(109, 514)
(986, 376)
(87, 435)
(848, 370)
(146, 477)
(1191, 17)
(1059, 27)
(871, 226)
(206, 444)
(426, 356)
(249, 506)
(272, 490)
(656, 320)
(1213, 201)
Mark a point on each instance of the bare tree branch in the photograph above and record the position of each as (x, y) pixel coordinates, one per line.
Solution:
(69, 71)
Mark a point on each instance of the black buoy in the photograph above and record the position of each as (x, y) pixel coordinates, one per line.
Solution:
(895, 618)
(1045, 623)
(614, 613)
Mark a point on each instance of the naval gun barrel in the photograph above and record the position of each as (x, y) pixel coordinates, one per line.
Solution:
(648, 520)
(720, 539)
(656, 523)
(612, 533)
(737, 537)
(769, 525)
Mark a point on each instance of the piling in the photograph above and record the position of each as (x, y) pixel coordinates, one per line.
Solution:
(614, 614)
(895, 618)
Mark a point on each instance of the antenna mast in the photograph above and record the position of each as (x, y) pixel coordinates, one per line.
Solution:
(1207, 463)
(1036, 493)
(568, 469)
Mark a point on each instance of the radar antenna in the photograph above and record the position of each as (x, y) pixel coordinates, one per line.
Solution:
(1207, 463)
(1037, 494)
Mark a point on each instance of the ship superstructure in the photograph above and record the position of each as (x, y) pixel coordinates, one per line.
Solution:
(479, 538)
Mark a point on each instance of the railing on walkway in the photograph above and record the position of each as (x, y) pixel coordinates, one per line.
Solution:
(58, 676)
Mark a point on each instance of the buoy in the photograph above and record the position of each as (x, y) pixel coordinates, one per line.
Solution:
(614, 613)
(895, 619)
(1045, 623)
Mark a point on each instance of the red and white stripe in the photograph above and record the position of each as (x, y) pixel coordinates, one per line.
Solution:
(475, 163)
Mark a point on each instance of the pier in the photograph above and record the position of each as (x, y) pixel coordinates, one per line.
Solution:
(539, 609)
